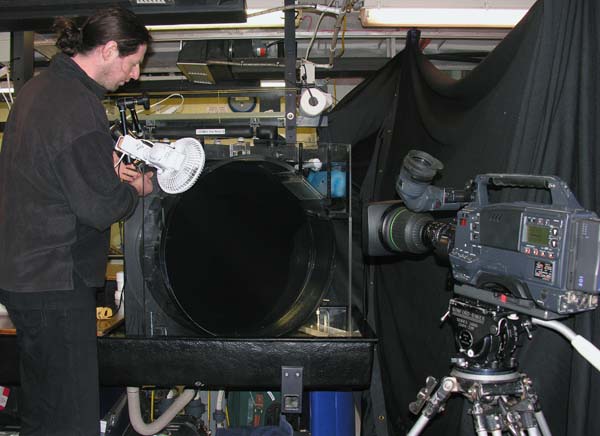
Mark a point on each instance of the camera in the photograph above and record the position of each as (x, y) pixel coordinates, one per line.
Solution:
(541, 259)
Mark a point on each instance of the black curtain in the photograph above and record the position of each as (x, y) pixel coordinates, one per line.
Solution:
(530, 107)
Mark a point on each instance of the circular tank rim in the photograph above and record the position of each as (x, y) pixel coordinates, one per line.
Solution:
(312, 219)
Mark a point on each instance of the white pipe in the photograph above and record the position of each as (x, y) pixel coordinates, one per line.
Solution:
(219, 406)
(135, 415)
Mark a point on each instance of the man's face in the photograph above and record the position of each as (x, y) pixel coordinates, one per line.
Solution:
(119, 70)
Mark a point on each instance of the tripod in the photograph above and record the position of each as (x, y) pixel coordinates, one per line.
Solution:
(502, 400)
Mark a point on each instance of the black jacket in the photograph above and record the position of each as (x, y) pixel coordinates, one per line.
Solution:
(59, 193)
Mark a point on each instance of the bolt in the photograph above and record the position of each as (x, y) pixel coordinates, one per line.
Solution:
(381, 418)
(297, 374)
(448, 385)
(290, 116)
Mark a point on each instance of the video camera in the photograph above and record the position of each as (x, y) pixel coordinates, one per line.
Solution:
(539, 259)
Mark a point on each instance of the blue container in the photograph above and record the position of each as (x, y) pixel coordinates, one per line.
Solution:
(331, 414)
(338, 182)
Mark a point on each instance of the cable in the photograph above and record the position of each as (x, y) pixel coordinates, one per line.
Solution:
(312, 40)
(312, 99)
(584, 347)
(335, 100)
(5, 70)
(336, 30)
(341, 53)
(143, 250)
(118, 164)
(8, 84)
(246, 64)
(166, 98)
(320, 8)
(208, 408)
(152, 405)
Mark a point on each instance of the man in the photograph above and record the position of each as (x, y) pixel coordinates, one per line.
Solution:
(59, 194)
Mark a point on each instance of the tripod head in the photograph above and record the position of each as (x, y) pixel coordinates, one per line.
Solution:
(487, 337)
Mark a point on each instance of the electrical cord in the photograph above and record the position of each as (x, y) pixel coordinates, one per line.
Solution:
(313, 101)
(118, 164)
(153, 105)
(5, 70)
(318, 7)
(584, 347)
(336, 30)
(8, 85)
(166, 98)
(142, 170)
(314, 36)
(345, 24)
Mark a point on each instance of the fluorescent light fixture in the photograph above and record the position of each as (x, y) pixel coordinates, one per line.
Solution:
(270, 20)
(151, 2)
(272, 84)
(7, 90)
(441, 17)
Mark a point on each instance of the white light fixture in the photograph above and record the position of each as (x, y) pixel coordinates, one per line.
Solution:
(483, 17)
(151, 2)
(272, 84)
(270, 20)
(7, 90)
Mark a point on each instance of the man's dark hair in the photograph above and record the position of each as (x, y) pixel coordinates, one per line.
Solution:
(112, 24)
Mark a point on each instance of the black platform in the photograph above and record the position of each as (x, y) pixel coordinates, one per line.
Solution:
(218, 363)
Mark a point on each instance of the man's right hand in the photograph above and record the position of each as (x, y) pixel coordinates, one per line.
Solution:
(143, 184)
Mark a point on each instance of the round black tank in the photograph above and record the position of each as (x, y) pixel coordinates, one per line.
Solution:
(242, 255)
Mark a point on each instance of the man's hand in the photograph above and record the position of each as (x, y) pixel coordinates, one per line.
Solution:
(125, 172)
(143, 185)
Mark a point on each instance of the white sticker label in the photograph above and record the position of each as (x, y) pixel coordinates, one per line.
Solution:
(209, 132)
(4, 392)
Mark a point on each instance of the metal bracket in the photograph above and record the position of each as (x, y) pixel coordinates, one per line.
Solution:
(291, 389)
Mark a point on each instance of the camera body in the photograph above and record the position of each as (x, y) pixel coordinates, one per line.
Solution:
(535, 257)
(547, 253)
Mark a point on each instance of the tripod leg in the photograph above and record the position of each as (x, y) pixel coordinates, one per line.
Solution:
(419, 426)
(542, 423)
(534, 431)
(433, 405)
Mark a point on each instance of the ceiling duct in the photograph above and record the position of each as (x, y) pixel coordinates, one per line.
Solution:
(40, 14)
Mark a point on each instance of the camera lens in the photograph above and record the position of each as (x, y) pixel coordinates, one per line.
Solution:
(402, 230)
